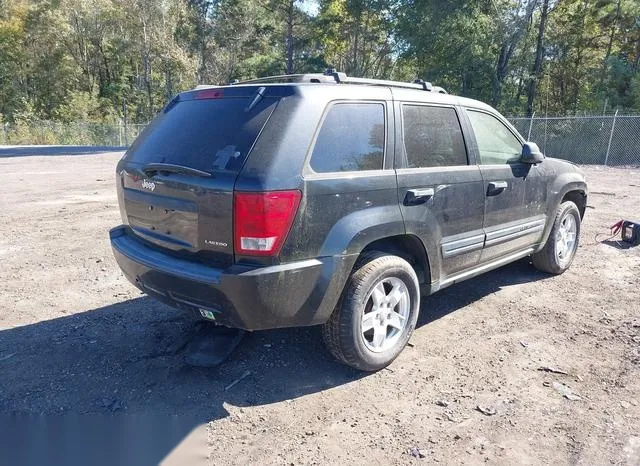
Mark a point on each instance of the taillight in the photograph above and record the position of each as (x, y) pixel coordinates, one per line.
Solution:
(262, 221)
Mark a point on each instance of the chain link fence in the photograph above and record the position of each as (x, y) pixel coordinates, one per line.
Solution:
(601, 140)
(73, 134)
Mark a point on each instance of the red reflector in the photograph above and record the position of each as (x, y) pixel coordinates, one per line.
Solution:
(210, 94)
(262, 221)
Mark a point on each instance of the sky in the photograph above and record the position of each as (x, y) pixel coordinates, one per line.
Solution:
(309, 6)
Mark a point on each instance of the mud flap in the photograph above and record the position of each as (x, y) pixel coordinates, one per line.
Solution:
(211, 345)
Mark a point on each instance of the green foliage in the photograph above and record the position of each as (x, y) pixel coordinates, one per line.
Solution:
(12, 58)
(109, 61)
(356, 36)
(452, 44)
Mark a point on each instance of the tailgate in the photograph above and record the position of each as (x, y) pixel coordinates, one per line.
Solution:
(176, 181)
(182, 214)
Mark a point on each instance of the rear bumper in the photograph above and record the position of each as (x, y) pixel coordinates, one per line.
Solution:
(289, 295)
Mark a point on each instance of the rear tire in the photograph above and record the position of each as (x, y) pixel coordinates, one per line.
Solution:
(562, 244)
(377, 313)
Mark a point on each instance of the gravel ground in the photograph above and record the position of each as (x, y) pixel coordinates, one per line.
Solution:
(76, 337)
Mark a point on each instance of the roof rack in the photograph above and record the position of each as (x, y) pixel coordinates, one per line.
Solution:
(292, 78)
(331, 75)
(417, 84)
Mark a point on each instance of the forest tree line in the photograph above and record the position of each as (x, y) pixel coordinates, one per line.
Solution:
(114, 60)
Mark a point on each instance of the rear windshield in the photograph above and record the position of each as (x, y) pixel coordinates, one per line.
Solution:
(208, 134)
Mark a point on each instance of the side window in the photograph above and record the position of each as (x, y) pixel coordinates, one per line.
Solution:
(496, 144)
(351, 139)
(432, 137)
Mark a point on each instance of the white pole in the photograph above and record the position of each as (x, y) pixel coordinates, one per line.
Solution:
(613, 127)
(530, 125)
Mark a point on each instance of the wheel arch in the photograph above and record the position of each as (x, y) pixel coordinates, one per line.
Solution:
(578, 197)
(410, 248)
(568, 187)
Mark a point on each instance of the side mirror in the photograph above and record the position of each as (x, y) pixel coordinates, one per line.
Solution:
(531, 153)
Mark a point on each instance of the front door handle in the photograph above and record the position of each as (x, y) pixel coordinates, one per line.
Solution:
(418, 196)
(496, 187)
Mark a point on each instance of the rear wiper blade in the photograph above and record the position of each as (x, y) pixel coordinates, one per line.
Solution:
(152, 168)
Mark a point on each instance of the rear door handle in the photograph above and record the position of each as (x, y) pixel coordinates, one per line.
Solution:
(418, 196)
(496, 187)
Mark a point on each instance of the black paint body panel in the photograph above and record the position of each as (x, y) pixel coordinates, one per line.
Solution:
(181, 250)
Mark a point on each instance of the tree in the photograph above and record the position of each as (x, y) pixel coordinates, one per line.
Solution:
(12, 58)
(286, 12)
(453, 44)
(512, 27)
(356, 36)
(104, 60)
(536, 72)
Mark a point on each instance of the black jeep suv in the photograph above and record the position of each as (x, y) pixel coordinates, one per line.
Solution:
(327, 200)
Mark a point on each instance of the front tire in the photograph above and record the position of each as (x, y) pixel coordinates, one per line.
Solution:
(560, 248)
(377, 313)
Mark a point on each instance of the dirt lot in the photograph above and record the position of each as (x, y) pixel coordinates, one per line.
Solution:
(76, 337)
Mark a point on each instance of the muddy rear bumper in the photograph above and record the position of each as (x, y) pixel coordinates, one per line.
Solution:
(288, 295)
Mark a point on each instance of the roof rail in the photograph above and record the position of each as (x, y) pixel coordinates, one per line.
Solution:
(331, 75)
(417, 84)
(290, 78)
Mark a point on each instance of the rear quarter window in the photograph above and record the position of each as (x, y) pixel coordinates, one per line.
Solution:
(352, 138)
